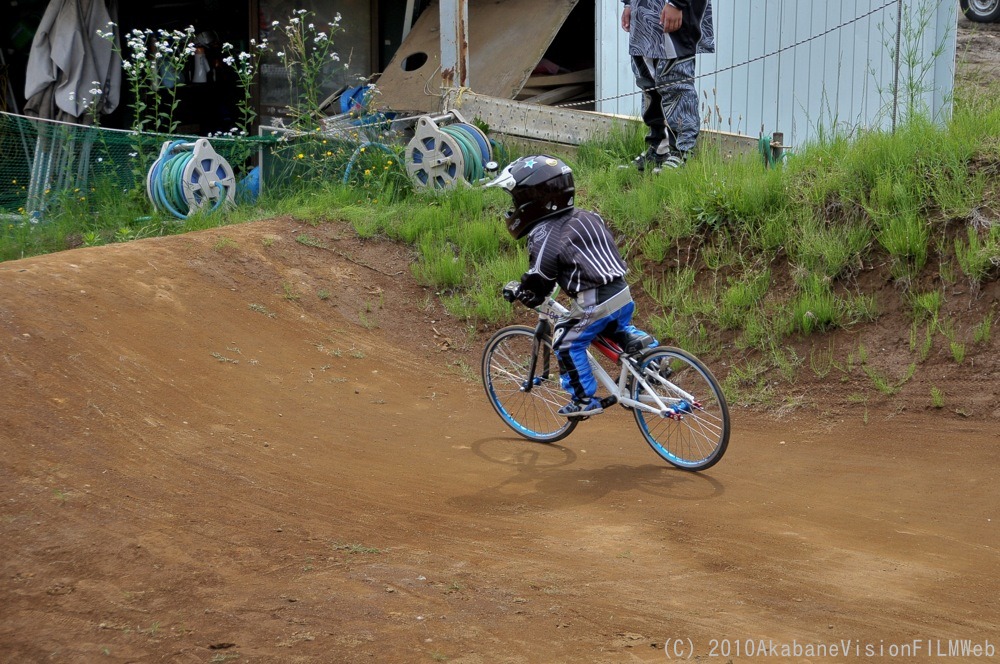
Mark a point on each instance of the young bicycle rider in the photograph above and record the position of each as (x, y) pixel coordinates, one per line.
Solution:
(573, 248)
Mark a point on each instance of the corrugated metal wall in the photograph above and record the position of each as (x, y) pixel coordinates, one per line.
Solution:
(841, 75)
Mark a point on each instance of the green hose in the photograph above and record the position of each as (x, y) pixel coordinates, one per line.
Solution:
(167, 183)
(471, 154)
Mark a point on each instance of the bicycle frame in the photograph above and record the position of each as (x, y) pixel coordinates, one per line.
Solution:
(550, 311)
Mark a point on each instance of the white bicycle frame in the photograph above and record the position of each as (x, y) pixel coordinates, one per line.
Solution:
(664, 407)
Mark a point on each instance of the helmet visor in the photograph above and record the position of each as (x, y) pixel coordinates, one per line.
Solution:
(505, 180)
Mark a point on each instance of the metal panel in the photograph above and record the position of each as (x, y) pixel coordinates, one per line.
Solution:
(507, 38)
(838, 79)
(560, 125)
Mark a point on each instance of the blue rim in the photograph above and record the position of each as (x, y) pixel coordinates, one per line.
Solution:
(660, 449)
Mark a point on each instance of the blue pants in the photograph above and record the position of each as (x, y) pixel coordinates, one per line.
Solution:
(570, 341)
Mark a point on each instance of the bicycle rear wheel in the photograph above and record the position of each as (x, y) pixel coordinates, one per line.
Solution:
(532, 413)
(696, 436)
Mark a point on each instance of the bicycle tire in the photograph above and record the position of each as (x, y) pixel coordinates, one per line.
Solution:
(699, 437)
(531, 414)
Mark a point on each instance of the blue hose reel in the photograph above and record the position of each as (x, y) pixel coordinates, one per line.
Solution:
(190, 177)
(446, 151)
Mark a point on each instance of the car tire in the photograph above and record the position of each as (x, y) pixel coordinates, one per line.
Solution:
(981, 11)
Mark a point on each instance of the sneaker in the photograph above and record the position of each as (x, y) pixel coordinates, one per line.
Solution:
(649, 157)
(670, 160)
(584, 408)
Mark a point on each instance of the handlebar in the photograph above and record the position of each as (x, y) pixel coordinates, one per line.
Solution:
(547, 309)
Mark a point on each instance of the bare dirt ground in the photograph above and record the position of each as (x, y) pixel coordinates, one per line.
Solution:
(204, 460)
(978, 51)
(232, 446)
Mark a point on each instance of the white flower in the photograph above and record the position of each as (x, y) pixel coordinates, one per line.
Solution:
(335, 57)
(274, 24)
(312, 26)
(281, 54)
(133, 154)
(95, 91)
(228, 47)
(293, 21)
(229, 60)
(244, 56)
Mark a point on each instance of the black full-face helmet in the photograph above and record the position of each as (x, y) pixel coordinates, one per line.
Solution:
(540, 185)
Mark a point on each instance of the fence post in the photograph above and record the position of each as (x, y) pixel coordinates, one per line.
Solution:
(896, 64)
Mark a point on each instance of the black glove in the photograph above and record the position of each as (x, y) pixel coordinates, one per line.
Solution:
(529, 299)
(511, 290)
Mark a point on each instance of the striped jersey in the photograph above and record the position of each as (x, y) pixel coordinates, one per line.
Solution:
(574, 249)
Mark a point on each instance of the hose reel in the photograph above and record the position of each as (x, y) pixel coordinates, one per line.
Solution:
(190, 177)
(441, 156)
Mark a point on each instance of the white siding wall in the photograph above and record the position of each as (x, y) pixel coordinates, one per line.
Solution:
(843, 79)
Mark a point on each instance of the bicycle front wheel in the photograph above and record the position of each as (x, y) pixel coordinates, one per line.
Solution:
(528, 407)
(694, 431)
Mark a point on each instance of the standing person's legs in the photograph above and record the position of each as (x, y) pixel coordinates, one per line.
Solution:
(652, 107)
(679, 103)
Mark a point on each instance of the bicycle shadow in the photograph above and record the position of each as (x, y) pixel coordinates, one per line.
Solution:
(543, 475)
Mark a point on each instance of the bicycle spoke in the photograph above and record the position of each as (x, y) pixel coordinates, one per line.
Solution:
(695, 436)
(531, 413)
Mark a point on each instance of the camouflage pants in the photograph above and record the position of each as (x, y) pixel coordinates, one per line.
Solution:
(669, 103)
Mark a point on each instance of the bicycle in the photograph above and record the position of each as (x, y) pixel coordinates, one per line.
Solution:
(678, 404)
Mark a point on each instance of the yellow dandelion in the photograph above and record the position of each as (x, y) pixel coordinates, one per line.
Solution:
(362, 149)
(301, 156)
(389, 162)
(368, 171)
(329, 154)
(13, 181)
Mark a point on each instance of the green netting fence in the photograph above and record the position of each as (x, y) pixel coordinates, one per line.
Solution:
(47, 163)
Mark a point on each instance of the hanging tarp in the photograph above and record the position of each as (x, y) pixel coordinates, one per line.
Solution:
(68, 59)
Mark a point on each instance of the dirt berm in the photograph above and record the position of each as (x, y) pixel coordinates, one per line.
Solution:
(231, 446)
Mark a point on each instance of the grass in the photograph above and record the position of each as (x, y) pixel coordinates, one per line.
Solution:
(937, 398)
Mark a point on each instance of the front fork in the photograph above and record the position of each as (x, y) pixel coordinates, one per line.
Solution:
(542, 331)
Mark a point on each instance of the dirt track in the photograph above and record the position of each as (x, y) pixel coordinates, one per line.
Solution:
(205, 461)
